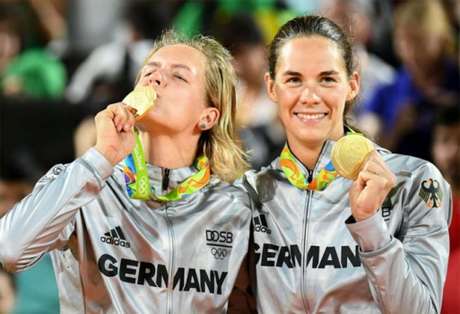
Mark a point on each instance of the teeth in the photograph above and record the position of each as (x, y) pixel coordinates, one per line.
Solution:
(310, 116)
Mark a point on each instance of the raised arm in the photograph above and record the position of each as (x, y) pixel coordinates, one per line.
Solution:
(43, 220)
(406, 275)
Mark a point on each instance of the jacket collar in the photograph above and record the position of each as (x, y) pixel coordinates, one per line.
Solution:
(164, 179)
(323, 159)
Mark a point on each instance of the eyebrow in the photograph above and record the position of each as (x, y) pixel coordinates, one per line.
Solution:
(331, 72)
(176, 65)
(293, 73)
(324, 73)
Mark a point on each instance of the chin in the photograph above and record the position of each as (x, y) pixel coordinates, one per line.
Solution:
(310, 137)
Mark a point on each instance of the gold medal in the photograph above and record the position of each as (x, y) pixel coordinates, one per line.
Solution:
(142, 98)
(349, 153)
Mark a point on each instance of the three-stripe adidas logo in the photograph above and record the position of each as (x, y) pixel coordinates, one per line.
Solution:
(260, 224)
(115, 237)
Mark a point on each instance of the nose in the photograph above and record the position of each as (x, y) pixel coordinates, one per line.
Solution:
(157, 78)
(309, 96)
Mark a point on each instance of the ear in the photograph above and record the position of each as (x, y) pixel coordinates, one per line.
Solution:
(354, 83)
(270, 85)
(208, 118)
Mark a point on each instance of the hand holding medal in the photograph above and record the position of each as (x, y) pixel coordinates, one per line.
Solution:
(354, 158)
(114, 125)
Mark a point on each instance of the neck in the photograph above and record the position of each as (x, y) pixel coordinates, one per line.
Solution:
(305, 153)
(172, 151)
(308, 152)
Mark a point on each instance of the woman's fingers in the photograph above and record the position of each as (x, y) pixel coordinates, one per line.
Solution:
(123, 119)
(375, 165)
(131, 120)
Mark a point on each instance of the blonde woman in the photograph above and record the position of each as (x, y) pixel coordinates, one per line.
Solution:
(179, 251)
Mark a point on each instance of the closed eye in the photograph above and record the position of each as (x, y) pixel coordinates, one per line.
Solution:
(180, 77)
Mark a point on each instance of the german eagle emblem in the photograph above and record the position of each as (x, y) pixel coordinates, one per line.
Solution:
(430, 192)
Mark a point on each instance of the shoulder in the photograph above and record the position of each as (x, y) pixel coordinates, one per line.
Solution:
(256, 179)
(259, 184)
(409, 166)
(424, 186)
(234, 193)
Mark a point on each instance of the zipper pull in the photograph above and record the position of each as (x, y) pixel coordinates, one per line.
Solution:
(165, 180)
(310, 176)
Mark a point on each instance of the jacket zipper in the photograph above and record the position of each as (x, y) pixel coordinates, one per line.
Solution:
(170, 262)
(305, 228)
(164, 187)
(304, 248)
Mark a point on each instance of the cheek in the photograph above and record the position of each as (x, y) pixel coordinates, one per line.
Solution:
(192, 104)
(286, 101)
(183, 98)
(335, 100)
(286, 97)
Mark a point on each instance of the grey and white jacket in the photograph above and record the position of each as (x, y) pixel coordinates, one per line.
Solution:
(310, 256)
(114, 254)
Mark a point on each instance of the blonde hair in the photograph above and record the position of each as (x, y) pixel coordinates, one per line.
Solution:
(220, 144)
(428, 17)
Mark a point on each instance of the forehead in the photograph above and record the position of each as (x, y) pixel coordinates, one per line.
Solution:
(310, 54)
(180, 54)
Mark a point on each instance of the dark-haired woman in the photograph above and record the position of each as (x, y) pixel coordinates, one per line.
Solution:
(323, 243)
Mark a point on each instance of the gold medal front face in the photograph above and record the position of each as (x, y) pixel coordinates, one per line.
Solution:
(349, 153)
(142, 98)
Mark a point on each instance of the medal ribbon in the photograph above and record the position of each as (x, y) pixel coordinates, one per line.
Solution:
(137, 178)
(296, 177)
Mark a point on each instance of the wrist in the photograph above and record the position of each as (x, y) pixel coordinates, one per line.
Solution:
(109, 154)
(363, 216)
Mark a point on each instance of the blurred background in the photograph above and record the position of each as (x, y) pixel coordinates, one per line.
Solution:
(62, 61)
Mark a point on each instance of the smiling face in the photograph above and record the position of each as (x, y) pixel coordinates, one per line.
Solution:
(177, 73)
(311, 87)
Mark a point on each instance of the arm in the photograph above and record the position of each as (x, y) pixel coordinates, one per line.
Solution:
(407, 275)
(43, 220)
(36, 224)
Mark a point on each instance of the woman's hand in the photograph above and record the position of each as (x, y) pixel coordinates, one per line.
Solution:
(115, 136)
(374, 182)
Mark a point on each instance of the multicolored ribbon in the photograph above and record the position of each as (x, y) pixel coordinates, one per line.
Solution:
(135, 171)
(298, 179)
(138, 184)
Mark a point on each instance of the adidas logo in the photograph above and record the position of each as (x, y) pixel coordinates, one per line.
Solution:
(115, 237)
(260, 224)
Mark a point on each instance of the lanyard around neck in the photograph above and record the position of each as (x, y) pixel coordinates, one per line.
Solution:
(138, 183)
(296, 176)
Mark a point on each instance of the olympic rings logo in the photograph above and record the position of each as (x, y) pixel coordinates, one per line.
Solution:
(219, 253)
